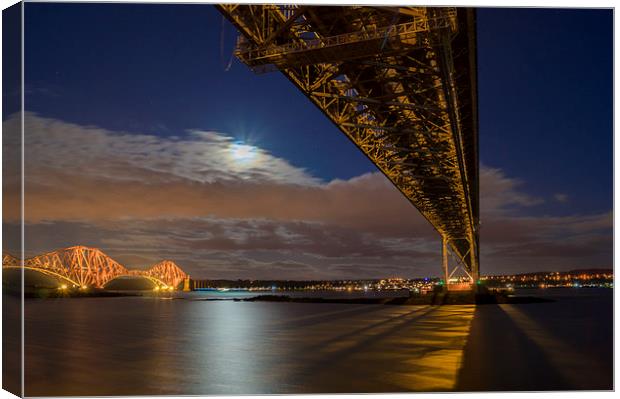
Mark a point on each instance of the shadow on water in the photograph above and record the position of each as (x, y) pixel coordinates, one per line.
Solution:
(339, 349)
(564, 345)
(416, 351)
(499, 356)
(403, 319)
(343, 311)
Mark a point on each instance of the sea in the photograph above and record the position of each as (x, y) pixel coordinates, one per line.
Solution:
(206, 343)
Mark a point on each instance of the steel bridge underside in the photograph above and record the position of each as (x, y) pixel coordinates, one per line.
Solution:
(400, 83)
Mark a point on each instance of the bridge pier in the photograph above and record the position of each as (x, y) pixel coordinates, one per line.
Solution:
(473, 273)
(186, 284)
(444, 259)
(475, 267)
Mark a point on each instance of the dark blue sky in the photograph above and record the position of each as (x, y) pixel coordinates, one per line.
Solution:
(545, 91)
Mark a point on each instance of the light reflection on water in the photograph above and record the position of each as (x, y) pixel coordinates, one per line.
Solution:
(294, 294)
(149, 346)
(133, 345)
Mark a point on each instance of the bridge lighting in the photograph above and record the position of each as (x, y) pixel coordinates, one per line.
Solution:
(68, 265)
(325, 64)
(156, 288)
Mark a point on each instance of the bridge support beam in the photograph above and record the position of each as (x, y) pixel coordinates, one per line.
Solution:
(475, 271)
(444, 259)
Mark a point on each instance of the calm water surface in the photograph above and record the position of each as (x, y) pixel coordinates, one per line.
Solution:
(150, 345)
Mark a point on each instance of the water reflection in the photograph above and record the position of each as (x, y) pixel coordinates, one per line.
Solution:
(124, 346)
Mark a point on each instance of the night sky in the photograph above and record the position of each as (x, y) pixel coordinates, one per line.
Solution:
(143, 141)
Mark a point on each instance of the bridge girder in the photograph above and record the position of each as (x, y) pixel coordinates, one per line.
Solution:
(166, 271)
(157, 282)
(90, 267)
(86, 266)
(399, 82)
(47, 272)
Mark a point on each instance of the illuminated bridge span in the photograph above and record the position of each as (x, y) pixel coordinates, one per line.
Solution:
(166, 271)
(90, 267)
(400, 83)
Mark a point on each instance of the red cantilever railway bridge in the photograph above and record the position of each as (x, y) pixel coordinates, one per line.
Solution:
(401, 84)
(90, 267)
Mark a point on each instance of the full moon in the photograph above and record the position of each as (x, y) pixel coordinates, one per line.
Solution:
(242, 153)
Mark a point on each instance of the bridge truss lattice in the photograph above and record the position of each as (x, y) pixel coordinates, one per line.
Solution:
(90, 267)
(400, 83)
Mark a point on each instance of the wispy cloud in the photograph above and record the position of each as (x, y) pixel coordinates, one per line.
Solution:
(225, 209)
(500, 193)
(198, 156)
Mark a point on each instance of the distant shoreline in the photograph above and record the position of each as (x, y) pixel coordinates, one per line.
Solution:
(436, 298)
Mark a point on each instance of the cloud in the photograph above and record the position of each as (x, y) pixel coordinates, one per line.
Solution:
(198, 156)
(228, 210)
(500, 194)
(559, 197)
(518, 243)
